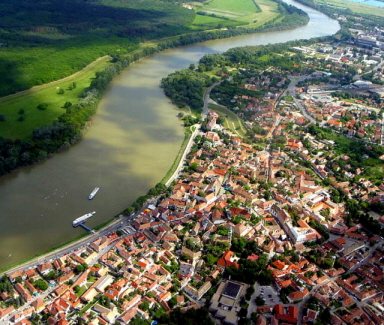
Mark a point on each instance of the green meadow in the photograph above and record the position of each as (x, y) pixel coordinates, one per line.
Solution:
(249, 12)
(49, 94)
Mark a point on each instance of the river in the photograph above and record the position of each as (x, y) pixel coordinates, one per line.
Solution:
(131, 144)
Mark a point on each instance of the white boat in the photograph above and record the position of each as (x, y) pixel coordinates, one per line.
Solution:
(94, 192)
(81, 219)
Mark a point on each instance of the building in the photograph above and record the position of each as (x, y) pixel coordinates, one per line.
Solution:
(226, 301)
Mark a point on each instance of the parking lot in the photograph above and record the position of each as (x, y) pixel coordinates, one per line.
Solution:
(268, 293)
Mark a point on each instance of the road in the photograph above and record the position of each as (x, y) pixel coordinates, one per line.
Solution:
(291, 91)
(186, 151)
(358, 76)
(301, 305)
(364, 260)
(73, 246)
(206, 98)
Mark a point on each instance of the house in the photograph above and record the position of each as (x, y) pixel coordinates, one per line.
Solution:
(229, 259)
(291, 316)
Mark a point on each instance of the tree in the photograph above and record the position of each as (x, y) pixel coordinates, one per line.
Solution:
(40, 284)
(67, 105)
(327, 263)
(249, 292)
(42, 106)
(210, 259)
(144, 306)
(60, 91)
(21, 111)
(172, 302)
(80, 268)
(128, 211)
(260, 301)
(2, 118)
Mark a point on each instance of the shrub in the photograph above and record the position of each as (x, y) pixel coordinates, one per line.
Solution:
(42, 106)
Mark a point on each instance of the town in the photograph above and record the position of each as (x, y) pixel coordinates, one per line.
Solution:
(280, 224)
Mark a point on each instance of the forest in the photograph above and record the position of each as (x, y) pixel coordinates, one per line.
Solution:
(186, 87)
(43, 41)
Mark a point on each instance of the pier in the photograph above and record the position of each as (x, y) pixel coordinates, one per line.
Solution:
(82, 225)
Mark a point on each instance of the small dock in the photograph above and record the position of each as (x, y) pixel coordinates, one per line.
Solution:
(85, 227)
(82, 225)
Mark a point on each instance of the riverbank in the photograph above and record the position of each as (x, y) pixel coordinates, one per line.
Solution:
(130, 147)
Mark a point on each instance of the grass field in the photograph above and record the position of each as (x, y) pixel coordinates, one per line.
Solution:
(214, 22)
(239, 11)
(374, 173)
(232, 7)
(230, 120)
(355, 7)
(268, 12)
(28, 100)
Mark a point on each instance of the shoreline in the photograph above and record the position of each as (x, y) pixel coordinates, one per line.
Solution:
(111, 222)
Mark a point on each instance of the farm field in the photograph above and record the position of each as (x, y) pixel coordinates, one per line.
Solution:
(28, 101)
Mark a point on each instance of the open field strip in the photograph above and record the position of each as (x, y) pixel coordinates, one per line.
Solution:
(244, 6)
(214, 22)
(232, 9)
(223, 13)
(268, 12)
(28, 100)
(354, 6)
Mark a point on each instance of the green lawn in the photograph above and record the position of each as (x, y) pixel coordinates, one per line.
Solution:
(81, 291)
(230, 120)
(28, 100)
